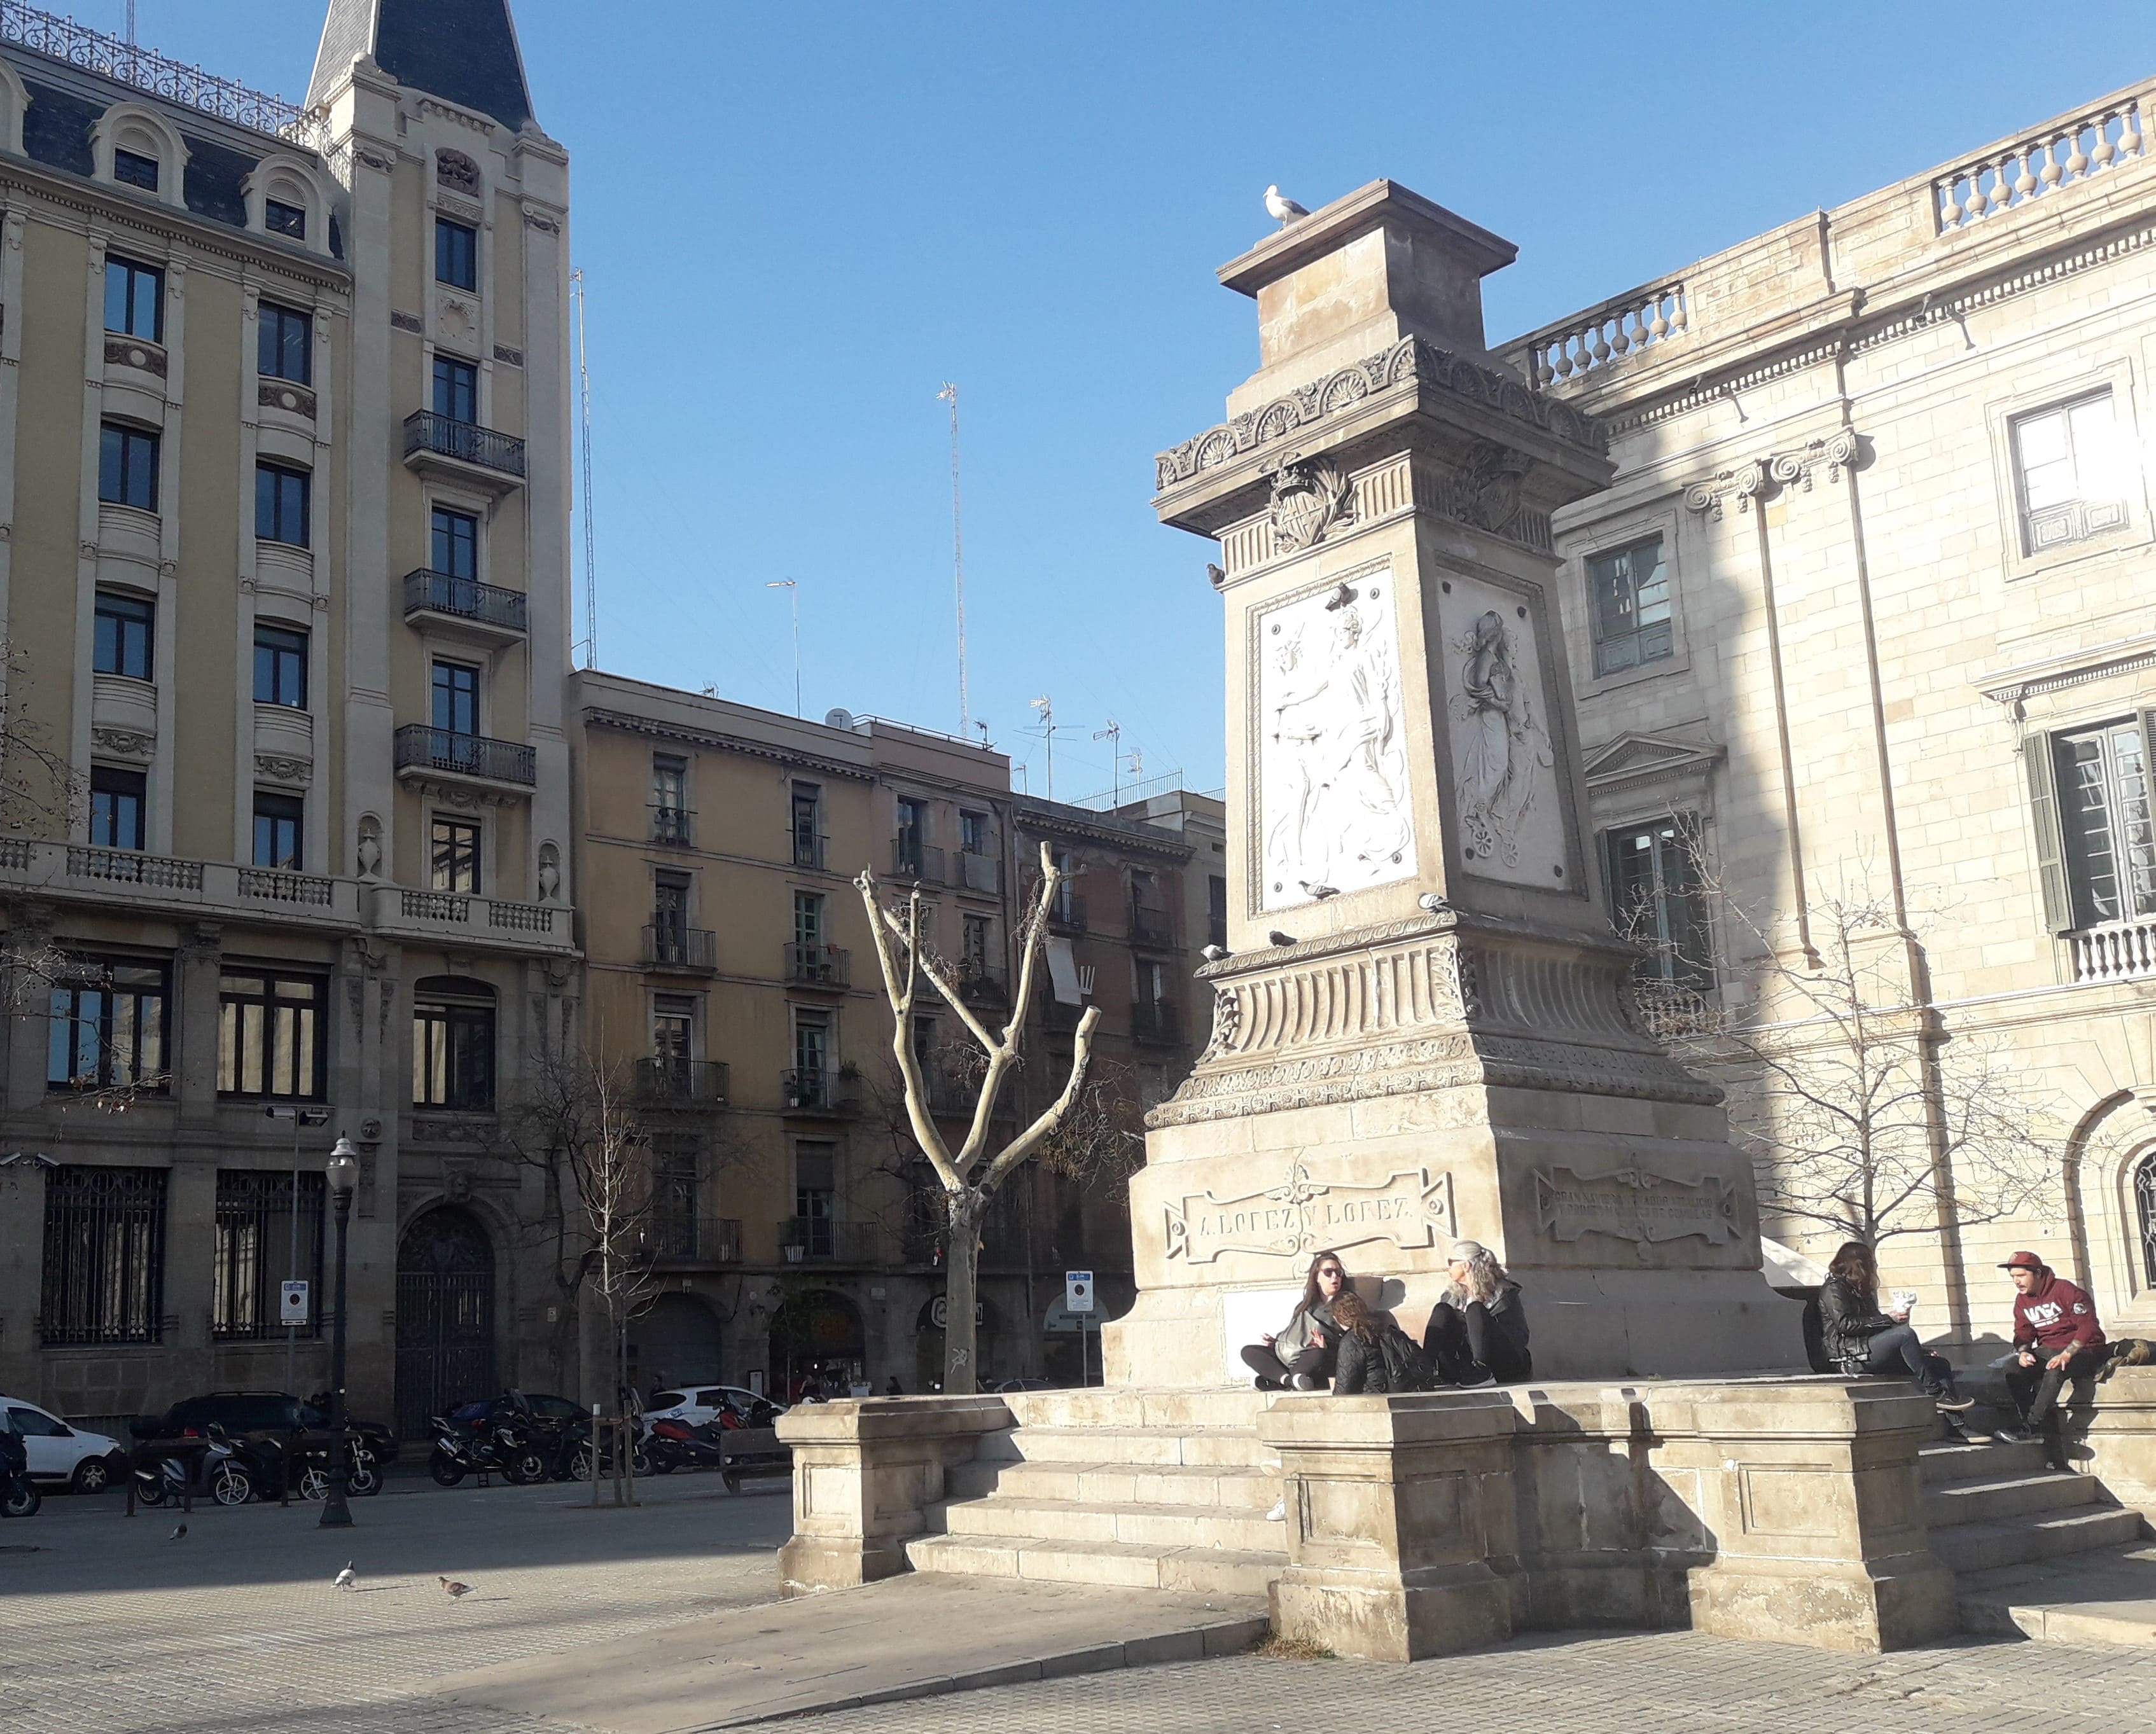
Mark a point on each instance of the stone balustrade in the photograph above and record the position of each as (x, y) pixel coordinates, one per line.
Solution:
(2058, 155)
(1599, 335)
(2119, 952)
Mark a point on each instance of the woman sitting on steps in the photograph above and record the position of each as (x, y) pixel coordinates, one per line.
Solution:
(1478, 1333)
(1861, 1339)
(1302, 1357)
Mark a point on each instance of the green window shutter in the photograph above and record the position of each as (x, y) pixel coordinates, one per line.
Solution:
(2051, 848)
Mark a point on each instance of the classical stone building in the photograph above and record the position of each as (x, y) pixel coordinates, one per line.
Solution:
(283, 515)
(1867, 602)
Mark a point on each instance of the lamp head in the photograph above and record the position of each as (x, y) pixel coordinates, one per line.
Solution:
(343, 1170)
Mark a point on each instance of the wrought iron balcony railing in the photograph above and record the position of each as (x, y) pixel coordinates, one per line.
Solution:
(1060, 1014)
(822, 1239)
(697, 1239)
(1067, 913)
(983, 980)
(817, 1091)
(819, 966)
(467, 442)
(440, 593)
(672, 824)
(911, 859)
(808, 849)
(1151, 926)
(423, 747)
(682, 1082)
(1156, 1021)
(666, 947)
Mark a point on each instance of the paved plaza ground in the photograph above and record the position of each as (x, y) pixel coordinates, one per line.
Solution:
(109, 1628)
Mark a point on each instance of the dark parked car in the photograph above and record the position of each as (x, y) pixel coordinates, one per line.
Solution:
(240, 1412)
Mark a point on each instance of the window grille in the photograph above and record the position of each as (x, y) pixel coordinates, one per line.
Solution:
(105, 1255)
(261, 1241)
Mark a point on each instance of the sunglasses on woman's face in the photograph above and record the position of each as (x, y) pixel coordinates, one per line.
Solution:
(1335, 1275)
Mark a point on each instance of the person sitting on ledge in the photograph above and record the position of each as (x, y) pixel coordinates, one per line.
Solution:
(1302, 1357)
(2056, 1340)
(1377, 1357)
(1861, 1339)
(1478, 1333)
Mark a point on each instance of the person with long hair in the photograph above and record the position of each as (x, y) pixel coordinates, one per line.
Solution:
(1377, 1357)
(1477, 1333)
(1861, 1339)
(1302, 1356)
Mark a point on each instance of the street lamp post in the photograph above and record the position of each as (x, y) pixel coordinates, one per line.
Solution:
(343, 1174)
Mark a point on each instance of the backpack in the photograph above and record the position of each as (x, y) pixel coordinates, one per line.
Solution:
(1408, 1365)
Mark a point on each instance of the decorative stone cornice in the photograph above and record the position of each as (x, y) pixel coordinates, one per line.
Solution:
(1413, 359)
(1763, 476)
(718, 741)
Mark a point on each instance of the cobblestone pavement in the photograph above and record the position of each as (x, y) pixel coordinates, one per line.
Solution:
(110, 1629)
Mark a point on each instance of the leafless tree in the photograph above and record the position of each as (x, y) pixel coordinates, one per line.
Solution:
(969, 1175)
(1863, 1113)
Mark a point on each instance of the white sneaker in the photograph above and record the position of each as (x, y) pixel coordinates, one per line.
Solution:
(1304, 1381)
(1279, 1512)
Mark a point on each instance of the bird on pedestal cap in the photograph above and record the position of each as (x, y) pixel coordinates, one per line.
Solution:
(1283, 211)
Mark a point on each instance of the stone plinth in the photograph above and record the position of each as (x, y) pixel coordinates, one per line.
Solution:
(865, 1475)
(1401, 1536)
(2111, 1431)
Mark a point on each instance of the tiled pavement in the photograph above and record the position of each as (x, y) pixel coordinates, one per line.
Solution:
(108, 1629)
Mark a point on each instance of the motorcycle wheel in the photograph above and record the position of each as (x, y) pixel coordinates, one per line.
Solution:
(662, 1466)
(149, 1493)
(365, 1480)
(314, 1483)
(230, 1486)
(21, 1500)
(639, 1462)
(524, 1469)
(446, 1470)
(580, 1463)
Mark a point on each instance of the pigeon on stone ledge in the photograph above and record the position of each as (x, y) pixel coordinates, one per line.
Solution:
(1277, 937)
(1283, 211)
(1214, 954)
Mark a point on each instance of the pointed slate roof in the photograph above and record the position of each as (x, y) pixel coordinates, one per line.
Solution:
(463, 51)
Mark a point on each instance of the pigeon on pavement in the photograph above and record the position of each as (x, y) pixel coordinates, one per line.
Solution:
(347, 1579)
(1283, 211)
(178, 1535)
(454, 1588)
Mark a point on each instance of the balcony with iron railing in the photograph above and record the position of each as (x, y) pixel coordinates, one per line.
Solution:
(693, 950)
(465, 604)
(817, 966)
(665, 1081)
(817, 1091)
(982, 981)
(463, 451)
(1150, 926)
(689, 1239)
(824, 1239)
(979, 872)
(910, 859)
(808, 848)
(674, 825)
(1060, 1014)
(1066, 913)
(1156, 1022)
(424, 751)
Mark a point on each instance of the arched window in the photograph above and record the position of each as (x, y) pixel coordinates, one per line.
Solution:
(452, 1043)
(2144, 1200)
(287, 199)
(134, 147)
(14, 98)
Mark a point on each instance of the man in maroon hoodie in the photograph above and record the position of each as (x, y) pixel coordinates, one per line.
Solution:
(2056, 1339)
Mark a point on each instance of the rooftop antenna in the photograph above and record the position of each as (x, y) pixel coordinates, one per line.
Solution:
(950, 394)
(1113, 735)
(591, 645)
(793, 595)
(1049, 725)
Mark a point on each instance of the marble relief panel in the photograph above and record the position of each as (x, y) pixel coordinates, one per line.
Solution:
(1511, 821)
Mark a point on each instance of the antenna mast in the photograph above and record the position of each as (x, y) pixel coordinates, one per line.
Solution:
(591, 645)
(950, 394)
(1113, 735)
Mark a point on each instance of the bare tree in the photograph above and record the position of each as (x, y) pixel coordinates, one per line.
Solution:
(969, 1175)
(1864, 1115)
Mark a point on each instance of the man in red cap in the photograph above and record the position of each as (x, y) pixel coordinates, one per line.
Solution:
(2056, 1339)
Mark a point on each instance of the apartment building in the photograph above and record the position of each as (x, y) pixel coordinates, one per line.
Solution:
(283, 531)
(1868, 604)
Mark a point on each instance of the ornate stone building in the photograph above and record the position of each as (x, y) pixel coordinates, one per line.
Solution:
(283, 524)
(1867, 604)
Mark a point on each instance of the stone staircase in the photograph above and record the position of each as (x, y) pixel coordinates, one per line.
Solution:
(1153, 1489)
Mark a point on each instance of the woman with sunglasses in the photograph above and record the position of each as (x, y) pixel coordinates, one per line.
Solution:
(1302, 1357)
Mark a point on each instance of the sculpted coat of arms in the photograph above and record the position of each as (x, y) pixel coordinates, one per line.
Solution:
(1310, 497)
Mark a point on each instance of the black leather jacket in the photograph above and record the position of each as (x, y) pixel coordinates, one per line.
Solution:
(1849, 1320)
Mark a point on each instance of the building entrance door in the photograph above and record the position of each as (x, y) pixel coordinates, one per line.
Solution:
(444, 1317)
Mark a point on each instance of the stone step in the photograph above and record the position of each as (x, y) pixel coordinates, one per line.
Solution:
(1136, 1410)
(1221, 1486)
(1077, 1520)
(2103, 1598)
(1944, 1463)
(2010, 1497)
(1202, 1571)
(1988, 1547)
(1227, 1447)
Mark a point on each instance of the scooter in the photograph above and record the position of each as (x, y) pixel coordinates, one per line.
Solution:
(675, 1445)
(503, 1448)
(225, 1475)
(18, 1494)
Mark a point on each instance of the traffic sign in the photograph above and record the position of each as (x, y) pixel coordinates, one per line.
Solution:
(1077, 1292)
(292, 1309)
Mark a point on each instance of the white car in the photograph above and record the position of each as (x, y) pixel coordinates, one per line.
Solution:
(696, 1405)
(88, 1462)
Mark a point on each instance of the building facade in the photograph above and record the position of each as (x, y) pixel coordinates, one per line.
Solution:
(283, 531)
(1866, 607)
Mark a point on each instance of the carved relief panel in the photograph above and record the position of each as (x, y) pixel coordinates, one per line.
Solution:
(1331, 810)
(1505, 767)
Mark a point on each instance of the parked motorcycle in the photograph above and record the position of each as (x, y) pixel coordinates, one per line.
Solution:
(640, 1462)
(675, 1445)
(499, 1445)
(18, 1495)
(225, 1476)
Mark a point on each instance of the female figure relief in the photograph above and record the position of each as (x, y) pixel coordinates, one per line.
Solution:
(1503, 744)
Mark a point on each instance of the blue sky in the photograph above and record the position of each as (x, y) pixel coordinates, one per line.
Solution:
(797, 221)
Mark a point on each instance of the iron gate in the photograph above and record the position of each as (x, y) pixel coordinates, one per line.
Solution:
(444, 1317)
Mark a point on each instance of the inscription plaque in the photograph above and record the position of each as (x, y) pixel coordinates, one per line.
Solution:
(1634, 1205)
(1409, 1207)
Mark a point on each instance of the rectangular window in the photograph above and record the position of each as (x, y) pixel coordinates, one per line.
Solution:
(1216, 910)
(456, 253)
(280, 218)
(812, 1053)
(126, 635)
(974, 944)
(453, 851)
(107, 1029)
(285, 344)
(809, 918)
(127, 467)
(1656, 900)
(456, 543)
(815, 1198)
(134, 299)
(2104, 805)
(974, 833)
(456, 698)
(132, 168)
(2072, 471)
(119, 808)
(270, 1035)
(269, 1231)
(674, 1030)
(808, 825)
(669, 781)
(280, 505)
(456, 389)
(674, 1202)
(280, 827)
(280, 667)
(1628, 597)
(105, 1255)
(670, 917)
(453, 1055)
